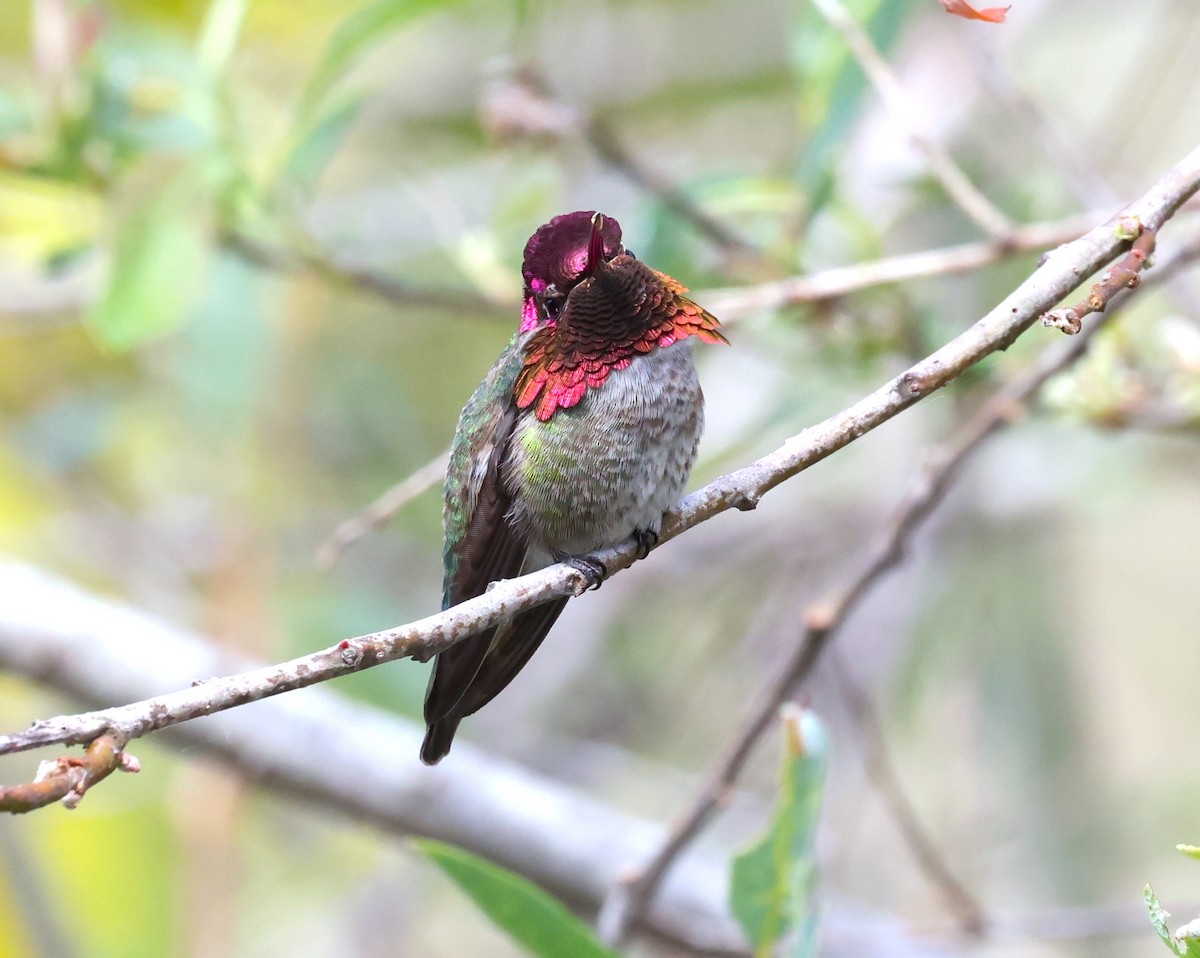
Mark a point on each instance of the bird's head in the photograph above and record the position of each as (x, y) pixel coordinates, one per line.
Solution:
(561, 255)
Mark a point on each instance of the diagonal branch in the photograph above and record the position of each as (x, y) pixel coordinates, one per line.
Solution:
(1060, 273)
(627, 902)
(611, 150)
(21, 298)
(380, 512)
(882, 772)
(319, 263)
(840, 281)
(521, 105)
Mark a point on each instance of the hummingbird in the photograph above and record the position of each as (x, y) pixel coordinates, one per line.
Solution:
(582, 435)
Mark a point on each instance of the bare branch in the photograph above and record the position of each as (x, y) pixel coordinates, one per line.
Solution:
(843, 280)
(520, 104)
(380, 512)
(908, 115)
(1127, 274)
(880, 769)
(67, 778)
(609, 148)
(730, 303)
(627, 902)
(386, 287)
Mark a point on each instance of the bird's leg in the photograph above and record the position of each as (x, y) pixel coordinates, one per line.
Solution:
(592, 569)
(646, 540)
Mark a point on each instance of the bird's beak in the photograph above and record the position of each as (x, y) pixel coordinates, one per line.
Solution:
(595, 245)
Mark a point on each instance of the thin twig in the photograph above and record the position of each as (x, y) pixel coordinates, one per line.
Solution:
(1067, 153)
(628, 901)
(1126, 274)
(618, 157)
(386, 287)
(962, 904)
(1074, 923)
(908, 115)
(66, 779)
(521, 105)
(842, 280)
(743, 489)
(1154, 416)
(380, 512)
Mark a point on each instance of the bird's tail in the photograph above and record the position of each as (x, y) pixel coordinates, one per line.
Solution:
(470, 674)
(438, 738)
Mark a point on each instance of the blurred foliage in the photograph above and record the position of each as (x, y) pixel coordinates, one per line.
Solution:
(772, 885)
(1185, 941)
(196, 385)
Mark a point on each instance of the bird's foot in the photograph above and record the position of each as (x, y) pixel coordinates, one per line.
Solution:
(646, 540)
(592, 569)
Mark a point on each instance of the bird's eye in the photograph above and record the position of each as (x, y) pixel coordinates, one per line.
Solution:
(553, 305)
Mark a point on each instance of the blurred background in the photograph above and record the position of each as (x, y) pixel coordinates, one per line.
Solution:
(255, 255)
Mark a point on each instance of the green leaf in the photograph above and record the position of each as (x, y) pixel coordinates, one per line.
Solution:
(840, 90)
(1186, 941)
(219, 36)
(317, 143)
(1192, 851)
(160, 254)
(534, 919)
(43, 219)
(772, 880)
(1158, 918)
(354, 37)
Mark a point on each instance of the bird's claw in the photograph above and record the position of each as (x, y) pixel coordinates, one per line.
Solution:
(646, 540)
(592, 569)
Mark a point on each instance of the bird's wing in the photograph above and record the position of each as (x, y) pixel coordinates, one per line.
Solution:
(482, 545)
(485, 546)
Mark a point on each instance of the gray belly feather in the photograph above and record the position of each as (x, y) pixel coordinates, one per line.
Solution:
(614, 463)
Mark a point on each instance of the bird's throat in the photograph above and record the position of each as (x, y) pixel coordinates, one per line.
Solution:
(626, 314)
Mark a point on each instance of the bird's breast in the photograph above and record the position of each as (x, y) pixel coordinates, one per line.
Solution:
(592, 474)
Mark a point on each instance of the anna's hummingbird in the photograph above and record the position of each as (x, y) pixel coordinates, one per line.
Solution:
(582, 435)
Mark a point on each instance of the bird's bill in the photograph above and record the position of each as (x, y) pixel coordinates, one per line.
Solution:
(596, 245)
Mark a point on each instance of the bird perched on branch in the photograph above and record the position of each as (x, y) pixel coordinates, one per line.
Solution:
(581, 436)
